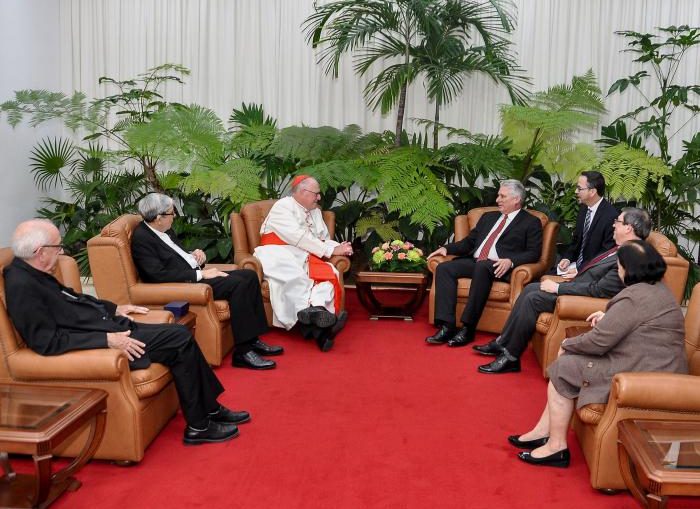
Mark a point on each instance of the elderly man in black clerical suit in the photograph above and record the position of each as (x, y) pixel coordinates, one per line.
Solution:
(594, 226)
(499, 241)
(53, 319)
(598, 278)
(160, 258)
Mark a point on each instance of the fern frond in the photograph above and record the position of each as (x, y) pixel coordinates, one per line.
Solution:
(386, 230)
(627, 171)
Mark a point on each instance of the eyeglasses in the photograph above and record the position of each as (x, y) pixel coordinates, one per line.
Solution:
(615, 221)
(167, 214)
(318, 195)
(579, 188)
(60, 247)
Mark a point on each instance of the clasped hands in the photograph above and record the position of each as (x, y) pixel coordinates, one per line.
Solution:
(343, 249)
(501, 266)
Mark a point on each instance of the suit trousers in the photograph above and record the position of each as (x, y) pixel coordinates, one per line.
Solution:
(522, 320)
(196, 384)
(241, 288)
(446, 276)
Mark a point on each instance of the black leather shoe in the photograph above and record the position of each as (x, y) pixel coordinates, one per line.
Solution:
(441, 337)
(318, 316)
(252, 360)
(491, 348)
(502, 364)
(463, 337)
(326, 337)
(527, 444)
(215, 432)
(226, 416)
(262, 348)
(559, 459)
(325, 342)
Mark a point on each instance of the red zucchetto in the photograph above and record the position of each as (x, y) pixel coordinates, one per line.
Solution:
(298, 179)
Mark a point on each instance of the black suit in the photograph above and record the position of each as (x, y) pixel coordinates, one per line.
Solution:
(53, 319)
(159, 263)
(598, 280)
(600, 233)
(521, 241)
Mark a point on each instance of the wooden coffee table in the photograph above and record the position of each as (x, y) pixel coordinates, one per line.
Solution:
(364, 280)
(659, 459)
(36, 419)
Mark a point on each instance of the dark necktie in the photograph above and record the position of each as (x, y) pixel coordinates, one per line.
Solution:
(584, 238)
(596, 260)
(490, 241)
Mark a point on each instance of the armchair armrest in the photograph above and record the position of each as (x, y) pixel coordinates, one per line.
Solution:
(573, 307)
(224, 267)
(657, 391)
(252, 263)
(522, 275)
(153, 316)
(98, 364)
(145, 294)
(436, 260)
(342, 263)
(556, 279)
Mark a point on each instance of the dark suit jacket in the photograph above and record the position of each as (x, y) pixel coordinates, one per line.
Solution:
(600, 233)
(156, 261)
(600, 280)
(54, 319)
(521, 241)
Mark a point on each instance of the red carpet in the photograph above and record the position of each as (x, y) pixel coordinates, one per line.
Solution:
(382, 421)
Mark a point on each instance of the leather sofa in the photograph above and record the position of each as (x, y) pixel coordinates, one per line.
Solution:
(571, 311)
(139, 403)
(115, 278)
(662, 396)
(245, 235)
(503, 294)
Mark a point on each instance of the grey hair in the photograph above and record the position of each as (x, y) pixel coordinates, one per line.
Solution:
(30, 236)
(517, 188)
(639, 220)
(154, 204)
(301, 185)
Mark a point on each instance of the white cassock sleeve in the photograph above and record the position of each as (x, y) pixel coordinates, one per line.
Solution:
(299, 228)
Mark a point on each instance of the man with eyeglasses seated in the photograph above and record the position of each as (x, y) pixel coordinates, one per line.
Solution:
(594, 226)
(294, 241)
(598, 278)
(53, 319)
(160, 258)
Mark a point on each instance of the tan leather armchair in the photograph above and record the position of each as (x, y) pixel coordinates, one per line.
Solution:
(663, 396)
(139, 403)
(572, 311)
(116, 279)
(503, 295)
(245, 235)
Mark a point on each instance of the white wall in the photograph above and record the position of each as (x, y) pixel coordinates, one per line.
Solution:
(29, 58)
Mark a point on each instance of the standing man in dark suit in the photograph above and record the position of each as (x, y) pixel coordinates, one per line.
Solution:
(53, 319)
(160, 258)
(599, 278)
(499, 241)
(594, 226)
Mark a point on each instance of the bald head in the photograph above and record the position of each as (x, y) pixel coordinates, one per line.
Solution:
(30, 235)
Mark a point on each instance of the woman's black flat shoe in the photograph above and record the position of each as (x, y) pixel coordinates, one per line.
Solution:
(527, 444)
(559, 459)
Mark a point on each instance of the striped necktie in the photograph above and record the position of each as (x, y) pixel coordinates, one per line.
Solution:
(597, 259)
(484, 254)
(584, 237)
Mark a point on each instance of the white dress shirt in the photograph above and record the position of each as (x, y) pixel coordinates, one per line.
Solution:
(185, 255)
(493, 254)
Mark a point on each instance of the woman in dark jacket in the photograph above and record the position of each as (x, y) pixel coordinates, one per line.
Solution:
(642, 329)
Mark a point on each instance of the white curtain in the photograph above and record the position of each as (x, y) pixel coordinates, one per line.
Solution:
(254, 51)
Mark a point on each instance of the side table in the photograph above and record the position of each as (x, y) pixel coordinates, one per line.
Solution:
(364, 280)
(659, 459)
(34, 419)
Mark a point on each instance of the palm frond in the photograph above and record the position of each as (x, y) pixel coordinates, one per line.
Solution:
(48, 158)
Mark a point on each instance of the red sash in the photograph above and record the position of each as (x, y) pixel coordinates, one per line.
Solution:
(319, 270)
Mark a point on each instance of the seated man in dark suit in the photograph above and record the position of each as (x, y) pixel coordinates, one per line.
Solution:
(594, 226)
(499, 241)
(598, 278)
(160, 258)
(53, 319)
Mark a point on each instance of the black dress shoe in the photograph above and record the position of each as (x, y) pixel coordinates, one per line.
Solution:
(463, 337)
(491, 348)
(252, 360)
(262, 348)
(527, 444)
(226, 416)
(559, 459)
(324, 341)
(215, 432)
(442, 336)
(318, 316)
(502, 364)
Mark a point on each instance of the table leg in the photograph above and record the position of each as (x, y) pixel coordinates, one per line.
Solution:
(42, 465)
(629, 475)
(97, 429)
(376, 309)
(656, 502)
(5, 464)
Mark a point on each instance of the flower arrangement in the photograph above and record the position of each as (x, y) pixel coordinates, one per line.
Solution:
(397, 256)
